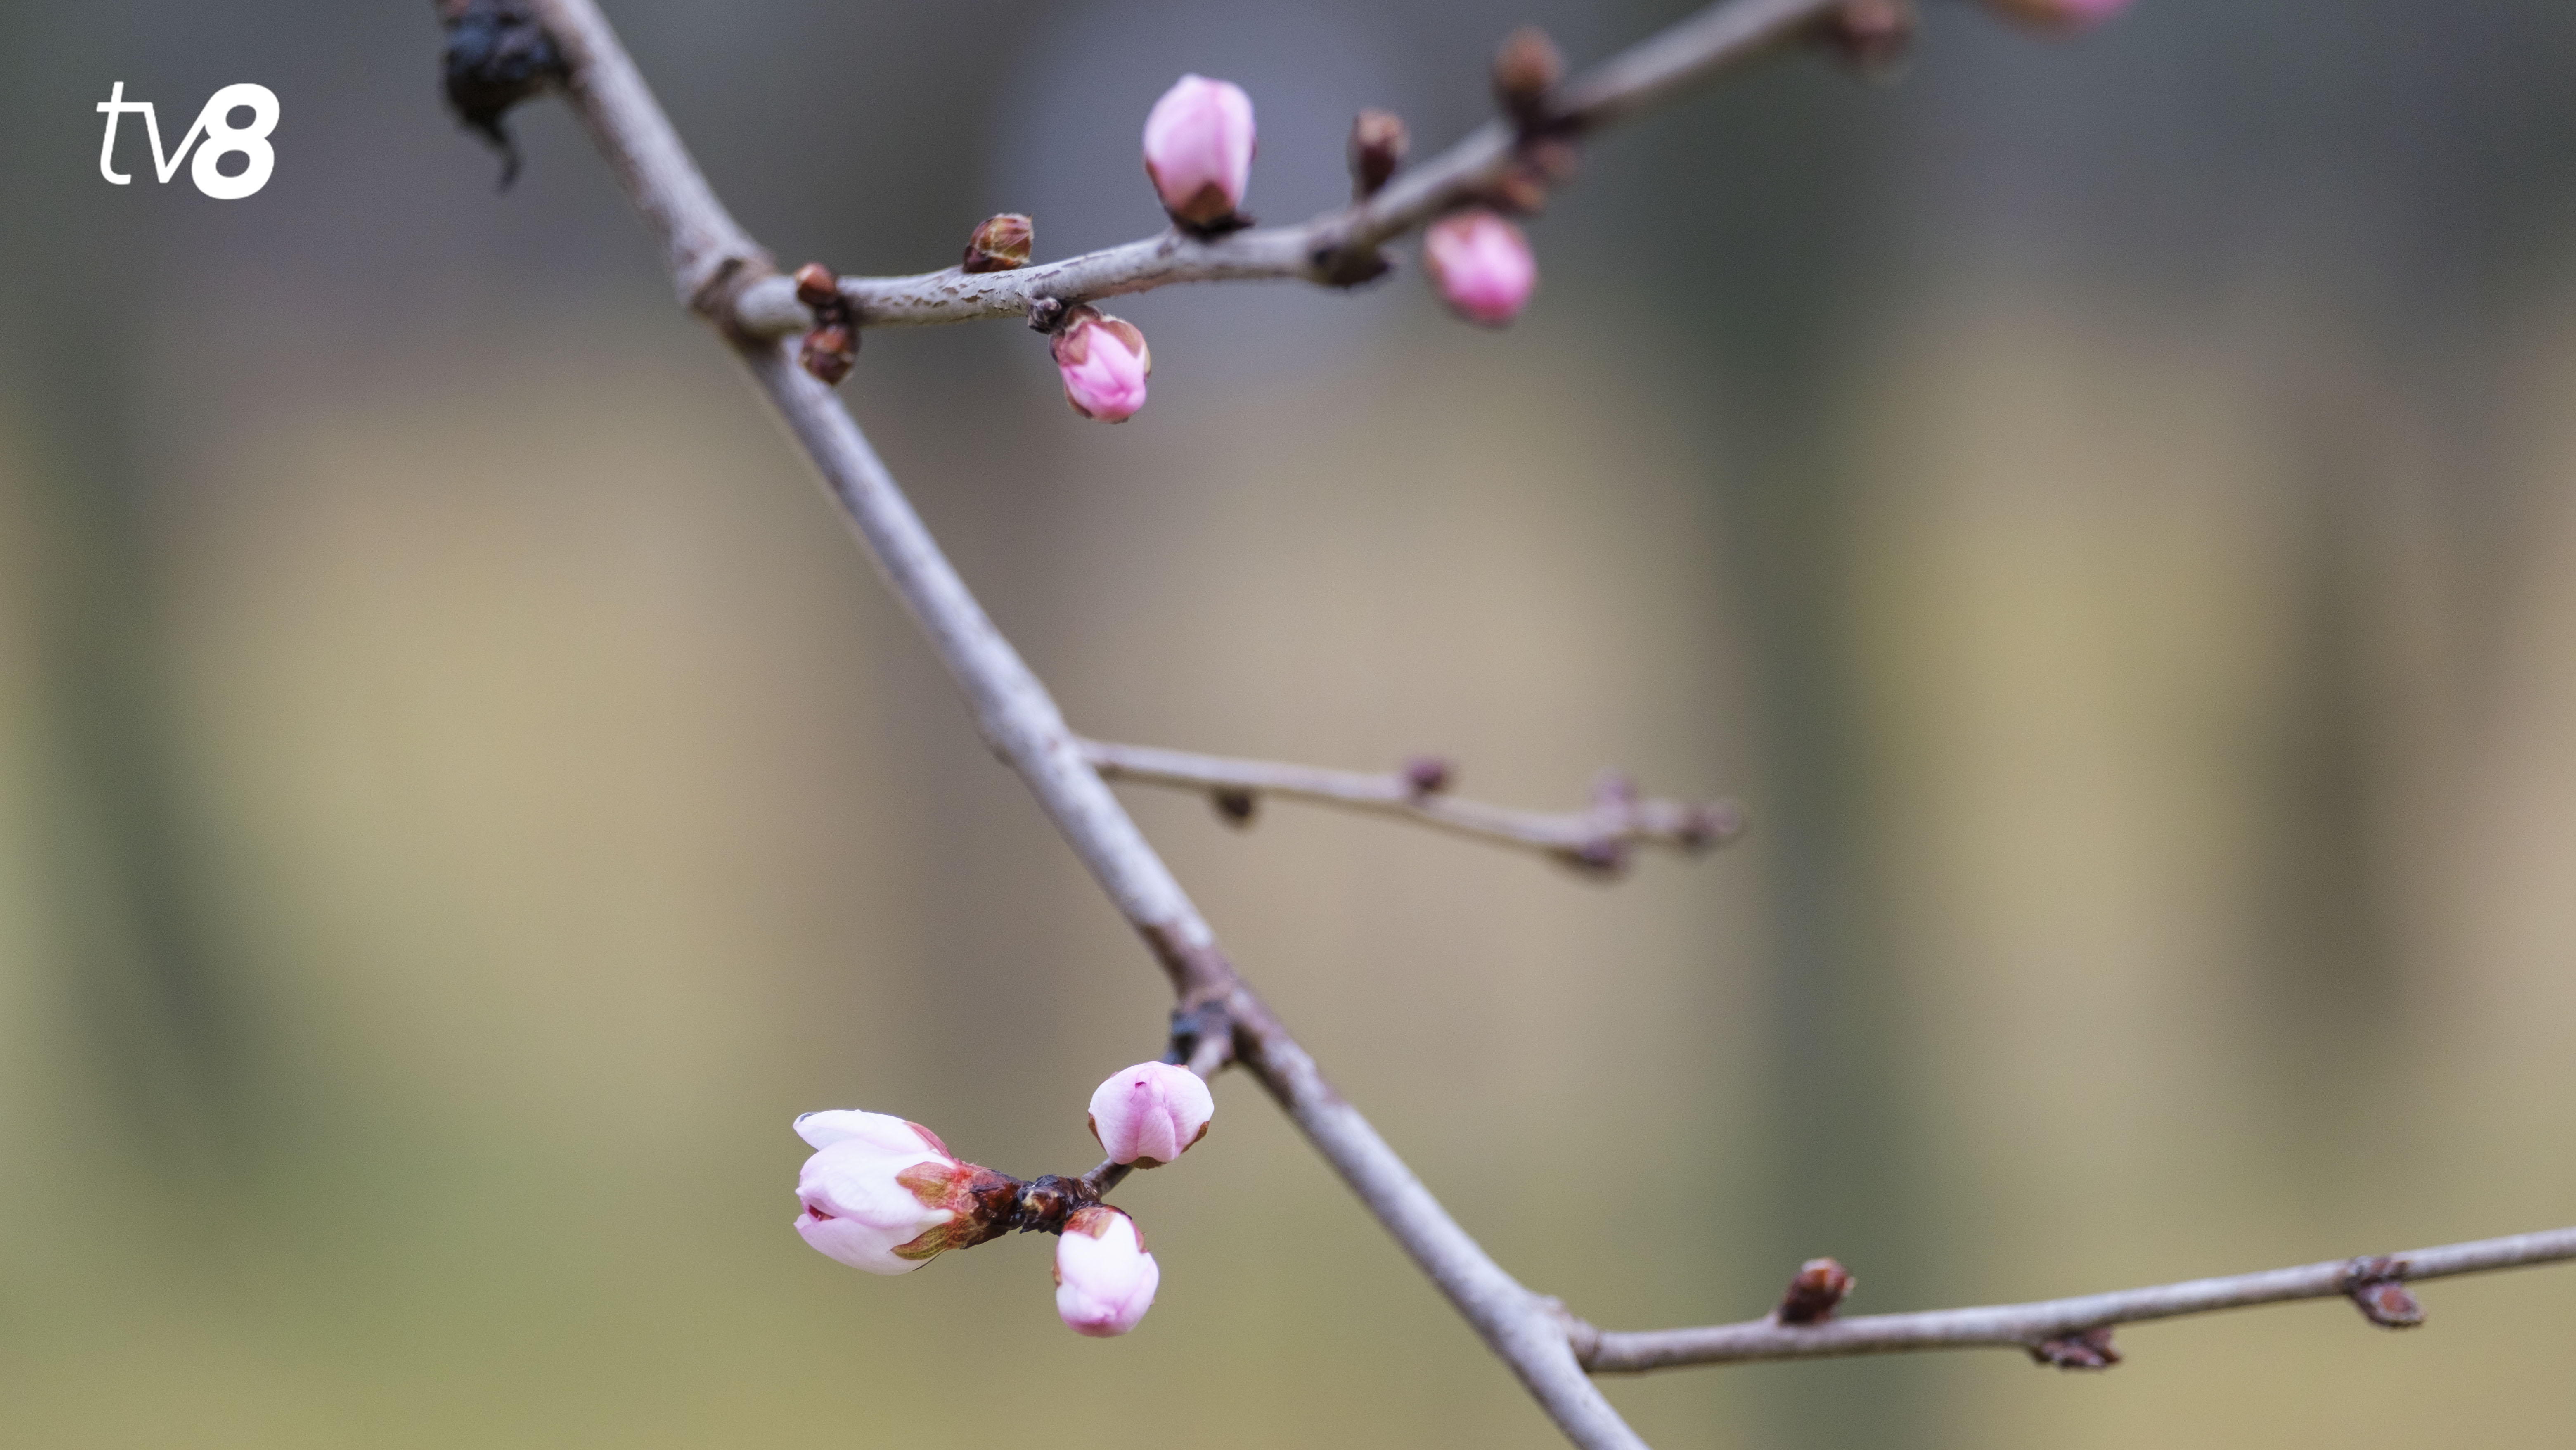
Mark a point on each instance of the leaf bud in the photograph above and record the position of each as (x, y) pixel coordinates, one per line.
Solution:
(1379, 141)
(1001, 244)
(1526, 68)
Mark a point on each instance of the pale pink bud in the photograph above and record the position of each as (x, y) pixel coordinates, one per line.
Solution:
(1151, 1113)
(1105, 362)
(1198, 149)
(883, 1195)
(1482, 266)
(2060, 14)
(1104, 1279)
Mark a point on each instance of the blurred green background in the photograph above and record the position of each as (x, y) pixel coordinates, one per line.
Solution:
(2108, 508)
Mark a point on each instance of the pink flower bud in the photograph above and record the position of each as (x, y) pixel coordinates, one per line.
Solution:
(1104, 1279)
(883, 1195)
(2059, 14)
(1151, 1113)
(1198, 149)
(1482, 266)
(1105, 363)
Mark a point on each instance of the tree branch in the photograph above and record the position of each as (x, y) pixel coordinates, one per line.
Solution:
(2040, 1327)
(1334, 247)
(1598, 840)
(1021, 722)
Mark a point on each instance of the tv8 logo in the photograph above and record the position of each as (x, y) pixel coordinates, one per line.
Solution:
(222, 139)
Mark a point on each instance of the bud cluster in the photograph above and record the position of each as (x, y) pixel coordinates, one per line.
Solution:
(832, 348)
(885, 1195)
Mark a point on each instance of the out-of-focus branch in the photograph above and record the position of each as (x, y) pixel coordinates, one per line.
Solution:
(2070, 1333)
(1599, 840)
(1338, 247)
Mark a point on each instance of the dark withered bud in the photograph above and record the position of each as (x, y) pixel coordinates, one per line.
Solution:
(1428, 775)
(1820, 1285)
(2089, 1350)
(1001, 244)
(1046, 314)
(495, 56)
(2378, 1289)
(1527, 67)
(816, 286)
(1378, 143)
(1872, 36)
(829, 353)
(1234, 805)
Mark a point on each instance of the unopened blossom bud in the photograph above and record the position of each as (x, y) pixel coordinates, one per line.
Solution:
(1482, 266)
(2058, 14)
(1199, 142)
(883, 1195)
(1820, 1285)
(1151, 1113)
(1104, 1279)
(1105, 362)
(1526, 68)
(1001, 244)
(1378, 143)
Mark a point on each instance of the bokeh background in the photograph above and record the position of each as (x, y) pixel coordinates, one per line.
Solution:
(2107, 507)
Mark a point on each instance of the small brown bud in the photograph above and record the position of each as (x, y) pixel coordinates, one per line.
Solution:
(2088, 1350)
(1521, 191)
(1046, 314)
(2378, 1289)
(1378, 143)
(1001, 244)
(1234, 805)
(1428, 775)
(1526, 68)
(1708, 825)
(1600, 856)
(1872, 36)
(1820, 1285)
(829, 353)
(1553, 159)
(816, 286)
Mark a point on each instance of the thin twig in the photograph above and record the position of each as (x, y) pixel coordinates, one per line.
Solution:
(1321, 250)
(1597, 840)
(1023, 725)
(2033, 1326)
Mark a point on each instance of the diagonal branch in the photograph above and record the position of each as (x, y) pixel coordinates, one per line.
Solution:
(1336, 247)
(1598, 840)
(2049, 1330)
(1023, 725)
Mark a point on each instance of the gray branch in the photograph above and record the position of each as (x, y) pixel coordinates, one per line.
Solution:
(1021, 722)
(1597, 840)
(1317, 250)
(715, 266)
(2033, 1326)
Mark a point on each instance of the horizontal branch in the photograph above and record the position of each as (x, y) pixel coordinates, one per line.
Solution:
(2043, 1327)
(1333, 248)
(1598, 840)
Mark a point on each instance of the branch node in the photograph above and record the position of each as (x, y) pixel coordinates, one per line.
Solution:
(1429, 775)
(1046, 314)
(2090, 1349)
(1235, 806)
(2377, 1287)
(1819, 1287)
